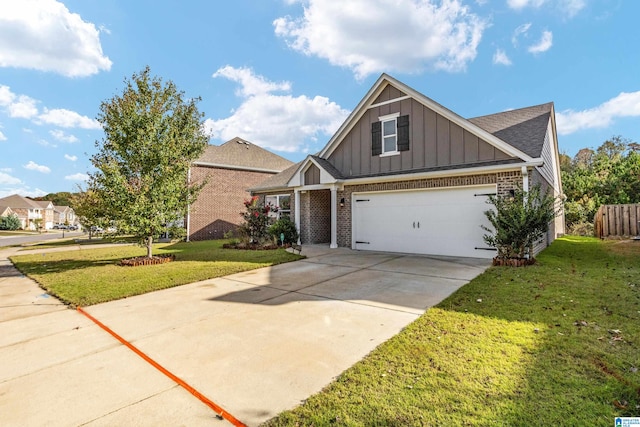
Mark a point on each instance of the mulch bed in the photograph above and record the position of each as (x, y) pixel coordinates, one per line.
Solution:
(143, 260)
(514, 262)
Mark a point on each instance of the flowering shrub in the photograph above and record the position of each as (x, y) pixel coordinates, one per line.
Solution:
(256, 220)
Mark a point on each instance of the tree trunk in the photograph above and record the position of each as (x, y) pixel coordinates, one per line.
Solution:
(149, 247)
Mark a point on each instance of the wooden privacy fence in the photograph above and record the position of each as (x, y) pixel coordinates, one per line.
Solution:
(617, 221)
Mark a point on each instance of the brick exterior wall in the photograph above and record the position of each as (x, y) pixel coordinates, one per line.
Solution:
(220, 203)
(508, 181)
(505, 181)
(315, 217)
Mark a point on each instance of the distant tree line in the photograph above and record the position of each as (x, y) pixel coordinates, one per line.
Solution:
(63, 198)
(608, 175)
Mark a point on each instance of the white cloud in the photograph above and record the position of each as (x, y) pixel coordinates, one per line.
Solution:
(67, 119)
(280, 122)
(250, 84)
(569, 7)
(36, 167)
(17, 106)
(545, 43)
(500, 57)
(77, 177)
(71, 158)
(46, 143)
(6, 179)
(61, 136)
(23, 108)
(521, 4)
(2, 136)
(44, 35)
(519, 31)
(627, 104)
(572, 7)
(371, 36)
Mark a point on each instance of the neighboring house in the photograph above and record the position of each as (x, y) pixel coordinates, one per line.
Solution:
(64, 215)
(6, 211)
(229, 170)
(405, 174)
(48, 213)
(29, 212)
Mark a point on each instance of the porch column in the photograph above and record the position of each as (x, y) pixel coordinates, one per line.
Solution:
(525, 179)
(296, 206)
(334, 218)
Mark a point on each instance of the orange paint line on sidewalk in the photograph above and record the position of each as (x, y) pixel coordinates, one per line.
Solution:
(224, 414)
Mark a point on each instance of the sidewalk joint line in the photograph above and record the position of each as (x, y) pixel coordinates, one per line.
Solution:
(216, 408)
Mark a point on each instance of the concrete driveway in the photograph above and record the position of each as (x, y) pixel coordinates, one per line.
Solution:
(255, 343)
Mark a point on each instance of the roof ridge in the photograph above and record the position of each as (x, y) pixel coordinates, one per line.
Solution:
(515, 110)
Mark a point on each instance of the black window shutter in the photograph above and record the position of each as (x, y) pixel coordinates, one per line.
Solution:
(403, 133)
(376, 138)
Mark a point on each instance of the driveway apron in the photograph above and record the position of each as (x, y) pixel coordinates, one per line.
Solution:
(255, 343)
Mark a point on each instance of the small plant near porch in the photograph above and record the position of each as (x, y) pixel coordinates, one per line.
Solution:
(254, 231)
(519, 220)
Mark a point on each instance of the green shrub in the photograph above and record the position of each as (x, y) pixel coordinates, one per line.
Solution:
(10, 222)
(286, 227)
(581, 229)
(256, 220)
(519, 220)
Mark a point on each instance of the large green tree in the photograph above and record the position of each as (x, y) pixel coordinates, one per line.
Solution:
(608, 175)
(152, 134)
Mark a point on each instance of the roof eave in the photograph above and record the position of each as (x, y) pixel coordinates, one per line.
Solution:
(235, 167)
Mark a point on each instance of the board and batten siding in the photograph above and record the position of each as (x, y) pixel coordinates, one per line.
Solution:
(312, 175)
(434, 141)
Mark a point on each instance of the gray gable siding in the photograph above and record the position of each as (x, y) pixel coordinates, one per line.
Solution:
(388, 93)
(312, 175)
(435, 141)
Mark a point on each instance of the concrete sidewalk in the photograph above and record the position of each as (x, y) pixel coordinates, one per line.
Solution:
(57, 368)
(255, 343)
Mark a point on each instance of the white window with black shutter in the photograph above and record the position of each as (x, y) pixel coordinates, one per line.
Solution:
(390, 135)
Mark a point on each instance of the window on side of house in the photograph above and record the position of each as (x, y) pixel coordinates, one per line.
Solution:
(282, 202)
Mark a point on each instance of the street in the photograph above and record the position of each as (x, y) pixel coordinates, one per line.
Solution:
(55, 234)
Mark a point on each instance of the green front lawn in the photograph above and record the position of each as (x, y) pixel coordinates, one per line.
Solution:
(91, 276)
(554, 344)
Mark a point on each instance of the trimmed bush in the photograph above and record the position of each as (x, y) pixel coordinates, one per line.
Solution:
(284, 226)
(11, 222)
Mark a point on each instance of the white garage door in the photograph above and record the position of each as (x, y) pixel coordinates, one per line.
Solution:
(437, 222)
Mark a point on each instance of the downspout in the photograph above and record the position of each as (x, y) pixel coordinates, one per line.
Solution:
(188, 225)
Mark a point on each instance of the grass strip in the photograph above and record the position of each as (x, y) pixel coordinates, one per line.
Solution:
(92, 276)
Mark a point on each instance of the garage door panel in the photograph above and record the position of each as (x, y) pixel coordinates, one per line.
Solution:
(439, 222)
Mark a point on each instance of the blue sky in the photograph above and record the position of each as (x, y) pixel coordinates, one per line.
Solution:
(284, 74)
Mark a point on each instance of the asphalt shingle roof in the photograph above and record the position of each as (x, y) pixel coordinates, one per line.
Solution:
(17, 201)
(277, 181)
(243, 154)
(524, 128)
